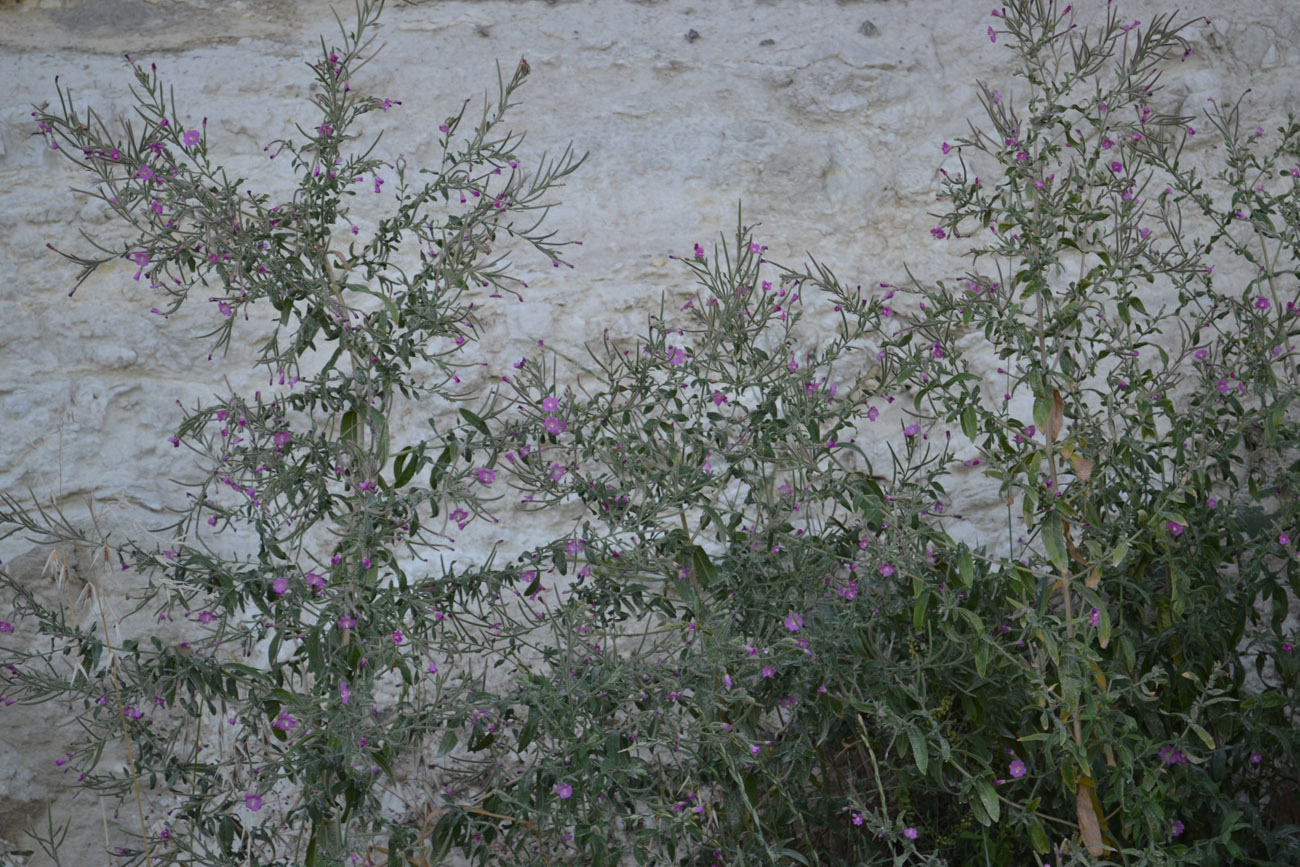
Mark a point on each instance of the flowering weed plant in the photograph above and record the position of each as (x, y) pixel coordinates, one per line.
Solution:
(770, 637)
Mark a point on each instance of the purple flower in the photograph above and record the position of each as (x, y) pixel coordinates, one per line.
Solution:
(1262, 303)
(191, 138)
(564, 790)
(1256, 758)
(1176, 829)
(1175, 528)
(910, 833)
(1170, 756)
(1017, 768)
(768, 671)
(911, 430)
(1284, 539)
(347, 622)
(946, 148)
(858, 818)
(345, 694)
(793, 621)
(279, 585)
(993, 37)
(1094, 617)
(397, 636)
(886, 569)
(6, 626)
(1202, 354)
(699, 252)
(253, 802)
(872, 413)
(550, 404)
(144, 173)
(485, 476)
(284, 722)
(938, 233)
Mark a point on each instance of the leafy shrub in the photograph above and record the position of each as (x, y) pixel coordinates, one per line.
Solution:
(769, 637)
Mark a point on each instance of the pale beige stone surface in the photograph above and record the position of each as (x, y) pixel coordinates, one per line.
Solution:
(824, 118)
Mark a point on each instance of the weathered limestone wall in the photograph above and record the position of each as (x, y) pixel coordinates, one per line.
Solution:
(824, 118)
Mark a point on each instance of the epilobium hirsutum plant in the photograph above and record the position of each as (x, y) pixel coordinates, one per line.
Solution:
(763, 641)
(311, 668)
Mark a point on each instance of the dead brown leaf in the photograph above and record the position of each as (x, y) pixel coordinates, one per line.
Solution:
(1056, 418)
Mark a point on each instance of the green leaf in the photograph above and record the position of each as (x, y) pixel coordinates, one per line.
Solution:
(1042, 412)
(350, 426)
(1038, 836)
(988, 799)
(529, 730)
(226, 834)
(968, 422)
(703, 567)
(981, 654)
(918, 610)
(476, 422)
(1206, 737)
(405, 466)
(1121, 551)
(1054, 541)
(965, 567)
(439, 469)
(920, 750)
(379, 423)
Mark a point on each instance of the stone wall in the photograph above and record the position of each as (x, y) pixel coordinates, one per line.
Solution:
(824, 118)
